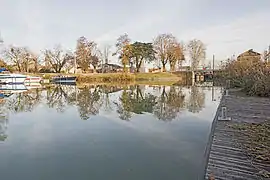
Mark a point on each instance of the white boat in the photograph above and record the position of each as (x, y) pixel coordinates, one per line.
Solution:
(33, 79)
(12, 78)
(12, 88)
(33, 85)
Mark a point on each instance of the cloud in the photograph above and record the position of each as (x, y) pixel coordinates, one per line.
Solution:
(226, 31)
(243, 33)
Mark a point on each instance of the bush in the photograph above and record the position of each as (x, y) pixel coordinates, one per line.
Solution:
(108, 77)
(45, 70)
(252, 76)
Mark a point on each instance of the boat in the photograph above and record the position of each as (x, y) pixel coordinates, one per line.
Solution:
(33, 79)
(12, 78)
(7, 78)
(33, 85)
(12, 88)
(64, 79)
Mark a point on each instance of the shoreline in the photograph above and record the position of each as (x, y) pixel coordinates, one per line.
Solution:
(120, 78)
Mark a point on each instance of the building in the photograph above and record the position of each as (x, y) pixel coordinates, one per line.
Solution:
(108, 68)
(249, 55)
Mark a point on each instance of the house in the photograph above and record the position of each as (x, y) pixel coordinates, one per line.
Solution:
(249, 55)
(108, 68)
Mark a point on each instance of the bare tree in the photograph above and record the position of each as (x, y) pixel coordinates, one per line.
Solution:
(123, 50)
(106, 53)
(85, 51)
(57, 58)
(32, 62)
(162, 45)
(197, 53)
(105, 56)
(70, 61)
(266, 55)
(176, 55)
(95, 57)
(16, 56)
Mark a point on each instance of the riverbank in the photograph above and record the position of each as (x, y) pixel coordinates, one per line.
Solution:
(240, 148)
(125, 78)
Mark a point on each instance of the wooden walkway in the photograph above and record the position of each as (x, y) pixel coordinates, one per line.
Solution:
(224, 160)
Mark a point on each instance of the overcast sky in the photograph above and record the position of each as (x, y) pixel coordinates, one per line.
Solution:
(226, 26)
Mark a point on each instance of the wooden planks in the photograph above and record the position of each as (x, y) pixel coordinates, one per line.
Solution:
(225, 160)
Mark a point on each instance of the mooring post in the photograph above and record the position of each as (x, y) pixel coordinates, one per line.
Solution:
(226, 92)
(224, 116)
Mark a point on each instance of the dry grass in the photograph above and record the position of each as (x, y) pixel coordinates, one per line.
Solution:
(257, 143)
(158, 78)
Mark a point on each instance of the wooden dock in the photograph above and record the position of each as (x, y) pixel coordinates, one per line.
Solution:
(224, 159)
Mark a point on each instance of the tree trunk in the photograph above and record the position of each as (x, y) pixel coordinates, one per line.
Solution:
(125, 68)
(172, 67)
(19, 67)
(36, 67)
(163, 67)
(137, 69)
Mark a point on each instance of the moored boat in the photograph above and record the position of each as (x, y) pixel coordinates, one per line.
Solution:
(33, 79)
(13, 87)
(33, 85)
(9, 78)
(64, 79)
(12, 78)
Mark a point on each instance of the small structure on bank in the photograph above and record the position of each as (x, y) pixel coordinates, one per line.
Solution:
(249, 55)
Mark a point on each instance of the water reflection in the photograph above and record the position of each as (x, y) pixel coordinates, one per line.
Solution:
(196, 99)
(3, 122)
(134, 131)
(163, 102)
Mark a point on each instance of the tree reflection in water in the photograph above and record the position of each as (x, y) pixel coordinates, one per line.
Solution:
(88, 102)
(3, 120)
(164, 102)
(169, 104)
(24, 102)
(196, 99)
(134, 101)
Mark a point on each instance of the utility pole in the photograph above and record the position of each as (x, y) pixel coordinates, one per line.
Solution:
(75, 64)
(213, 68)
(1, 39)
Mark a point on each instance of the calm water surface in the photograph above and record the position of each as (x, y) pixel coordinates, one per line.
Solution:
(105, 132)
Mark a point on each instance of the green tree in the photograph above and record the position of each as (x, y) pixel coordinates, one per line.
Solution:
(142, 52)
(88, 102)
(169, 104)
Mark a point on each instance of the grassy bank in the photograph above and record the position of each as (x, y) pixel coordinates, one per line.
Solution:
(144, 78)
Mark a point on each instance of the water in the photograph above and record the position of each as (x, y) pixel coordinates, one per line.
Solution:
(104, 132)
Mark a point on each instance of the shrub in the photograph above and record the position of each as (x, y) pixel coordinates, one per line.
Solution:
(108, 77)
(252, 76)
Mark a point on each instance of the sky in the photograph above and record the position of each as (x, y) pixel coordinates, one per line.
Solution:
(226, 27)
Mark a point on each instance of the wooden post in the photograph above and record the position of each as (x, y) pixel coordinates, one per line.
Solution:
(224, 116)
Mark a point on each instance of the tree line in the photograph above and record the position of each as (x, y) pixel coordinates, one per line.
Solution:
(164, 50)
